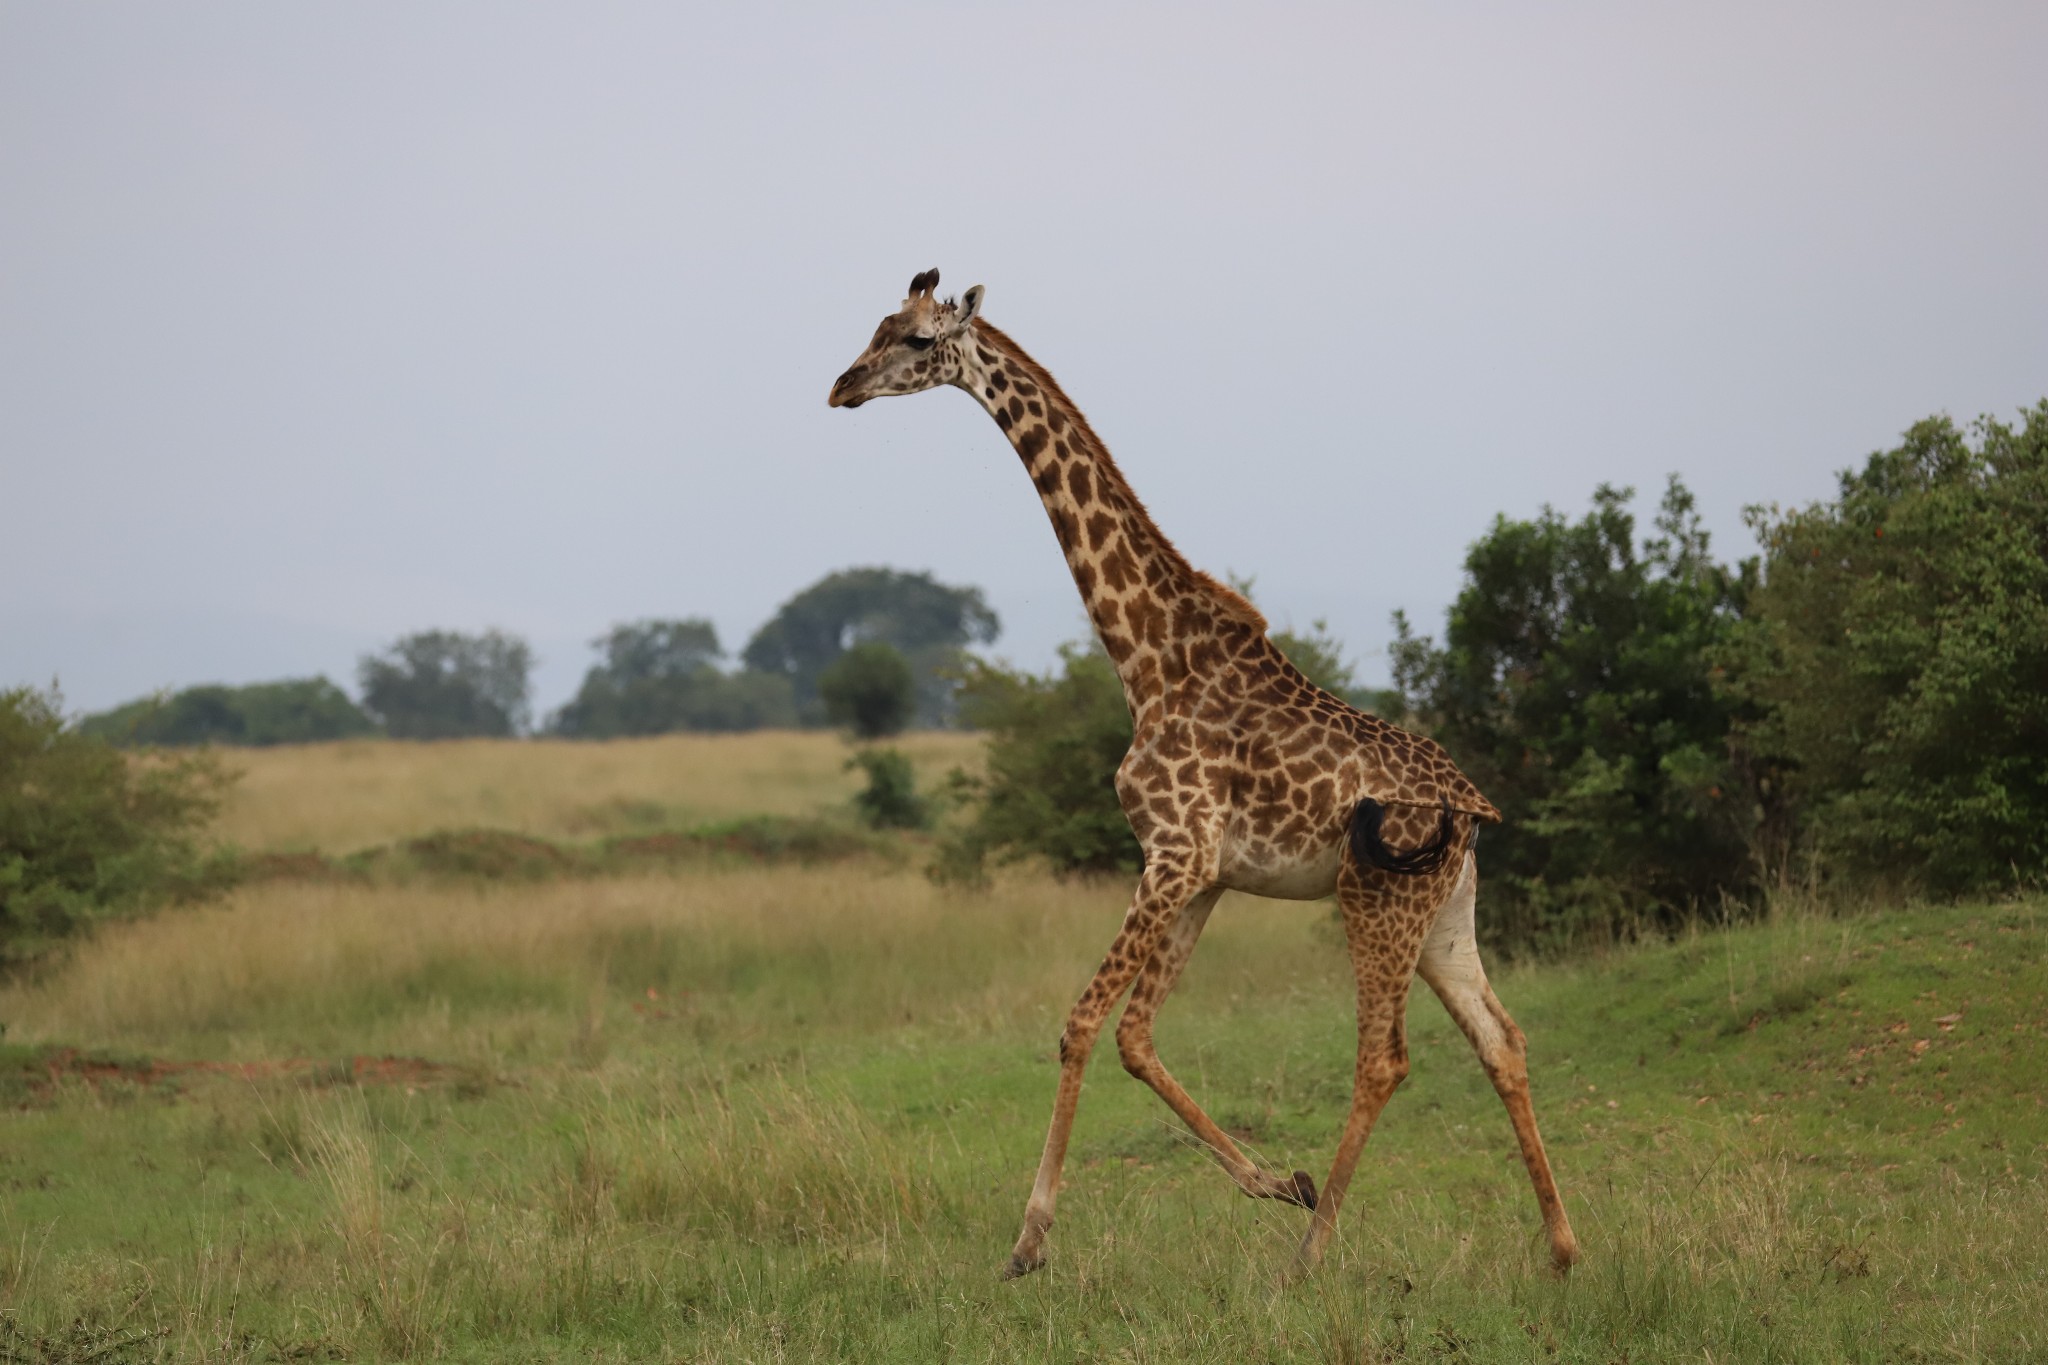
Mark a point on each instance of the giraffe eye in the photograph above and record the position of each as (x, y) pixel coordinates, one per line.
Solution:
(918, 343)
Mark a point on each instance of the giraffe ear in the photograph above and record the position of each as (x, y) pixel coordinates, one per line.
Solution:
(968, 308)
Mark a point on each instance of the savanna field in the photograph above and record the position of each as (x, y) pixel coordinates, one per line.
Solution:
(735, 1107)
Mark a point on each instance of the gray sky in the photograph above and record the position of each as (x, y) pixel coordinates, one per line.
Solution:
(324, 323)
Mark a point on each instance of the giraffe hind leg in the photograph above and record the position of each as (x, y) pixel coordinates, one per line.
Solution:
(1450, 964)
(1156, 980)
(1386, 916)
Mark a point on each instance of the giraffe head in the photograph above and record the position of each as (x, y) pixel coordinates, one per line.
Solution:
(918, 347)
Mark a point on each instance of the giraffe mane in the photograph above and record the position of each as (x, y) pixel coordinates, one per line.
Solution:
(1231, 602)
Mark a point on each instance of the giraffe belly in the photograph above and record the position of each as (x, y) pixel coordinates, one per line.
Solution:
(1306, 875)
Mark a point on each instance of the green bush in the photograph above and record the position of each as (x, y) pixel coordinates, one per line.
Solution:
(1896, 660)
(890, 799)
(1049, 790)
(870, 688)
(1573, 686)
(294, 711)
(86, 832)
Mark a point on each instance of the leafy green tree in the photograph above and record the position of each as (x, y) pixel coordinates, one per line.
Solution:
(869, 688)
(1896, 659)
(85, 832)
(927, 620)
(441, 684)
(294, 711)
(1574, 687)
(1049, 787)
(660, 676)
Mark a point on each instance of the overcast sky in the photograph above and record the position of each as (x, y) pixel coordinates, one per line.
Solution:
(320, 324)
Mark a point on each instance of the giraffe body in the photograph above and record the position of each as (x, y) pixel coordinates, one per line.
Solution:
(1241, 775)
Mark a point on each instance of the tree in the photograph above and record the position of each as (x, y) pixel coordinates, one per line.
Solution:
(1896, 659)
(869, 687)
(86, 833)
(927, 620)
(294, 711)
(440, 684)
(1573, 686)
(660, 676)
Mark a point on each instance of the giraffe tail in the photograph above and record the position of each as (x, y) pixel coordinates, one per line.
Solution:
(1371, 850)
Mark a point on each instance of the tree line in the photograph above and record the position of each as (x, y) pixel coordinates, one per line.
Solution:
(874, 648)
(1861, 704)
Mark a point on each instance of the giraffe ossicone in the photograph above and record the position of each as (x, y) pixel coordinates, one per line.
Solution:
(1242, 775)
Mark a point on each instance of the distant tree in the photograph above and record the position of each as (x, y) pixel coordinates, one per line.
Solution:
(440, 684)
(659, 676)
(1895, 657)
(1574, 687)
(927, 620)
(84, 832)
(295, 711)
(870, 688)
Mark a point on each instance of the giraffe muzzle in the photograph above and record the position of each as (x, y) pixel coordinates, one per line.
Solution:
(837, 398)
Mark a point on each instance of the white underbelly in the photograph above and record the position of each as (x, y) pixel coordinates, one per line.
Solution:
(1298, 879)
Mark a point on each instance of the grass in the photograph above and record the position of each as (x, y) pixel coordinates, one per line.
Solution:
(744, 1113)
(338, 798)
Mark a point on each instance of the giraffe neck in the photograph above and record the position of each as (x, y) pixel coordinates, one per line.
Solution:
(1131, 577)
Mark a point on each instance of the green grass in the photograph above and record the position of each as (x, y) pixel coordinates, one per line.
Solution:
(799, 1122)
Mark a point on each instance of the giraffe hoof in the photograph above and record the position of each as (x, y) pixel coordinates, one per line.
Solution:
(1020, 1266)
(1304, 1191)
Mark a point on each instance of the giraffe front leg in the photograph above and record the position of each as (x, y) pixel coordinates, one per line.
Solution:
(1134, 1045)
(1162, 893)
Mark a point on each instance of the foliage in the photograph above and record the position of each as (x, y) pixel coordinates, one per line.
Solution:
(1896, 662)
(1573, 686)
(1054, 744)
(293, 711)
(441, 684)
(85, 832)
(890, 799)
(870, 688)
(928, 620)
(661, 676)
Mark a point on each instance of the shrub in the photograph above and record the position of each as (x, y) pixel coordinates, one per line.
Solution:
(84, 831)
(440, 684)
(869, 688)
(1049, 792)
(890, 799)
(294, 711)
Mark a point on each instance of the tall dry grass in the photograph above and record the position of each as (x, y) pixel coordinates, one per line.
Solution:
(496, 974)
(337, 798)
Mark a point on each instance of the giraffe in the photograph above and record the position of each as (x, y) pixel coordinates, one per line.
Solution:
(1241, 775)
